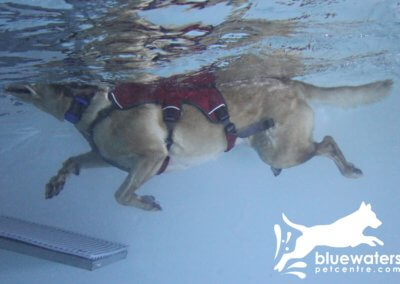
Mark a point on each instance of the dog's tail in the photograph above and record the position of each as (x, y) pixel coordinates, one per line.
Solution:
(298, 227)
(345, 96)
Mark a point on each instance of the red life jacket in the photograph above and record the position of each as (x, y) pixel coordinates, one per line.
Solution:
(171, 93)
(198, 90)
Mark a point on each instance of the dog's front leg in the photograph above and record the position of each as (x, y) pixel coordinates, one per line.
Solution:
(372, 241)
(73, 166)
(144, 169)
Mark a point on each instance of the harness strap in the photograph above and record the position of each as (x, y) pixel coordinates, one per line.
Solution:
(164, 166)
(78, 106)
(171, 115)
(230, 129)
(255, 128)
(231, 140)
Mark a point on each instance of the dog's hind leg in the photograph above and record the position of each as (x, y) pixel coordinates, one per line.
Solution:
(330, 149)
(289, 142)
(143, 170)
(73, 166)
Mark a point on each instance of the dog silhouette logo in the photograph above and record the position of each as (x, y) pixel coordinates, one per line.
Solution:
(343, 233)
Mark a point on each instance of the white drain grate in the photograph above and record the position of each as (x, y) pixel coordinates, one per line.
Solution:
(58, 245)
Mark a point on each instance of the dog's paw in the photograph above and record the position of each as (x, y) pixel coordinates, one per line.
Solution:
(353, 172)
(150, 203)
(56, 183)
(146, 202)
(54, 186)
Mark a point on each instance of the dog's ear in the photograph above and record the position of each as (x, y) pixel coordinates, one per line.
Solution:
(365, 206)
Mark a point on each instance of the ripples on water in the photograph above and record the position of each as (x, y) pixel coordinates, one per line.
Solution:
(108, 41)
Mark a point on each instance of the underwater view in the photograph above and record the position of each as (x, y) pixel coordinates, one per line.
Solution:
(278, 163)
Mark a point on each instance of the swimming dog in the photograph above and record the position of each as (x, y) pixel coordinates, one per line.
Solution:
(345, 232)
(134, 139)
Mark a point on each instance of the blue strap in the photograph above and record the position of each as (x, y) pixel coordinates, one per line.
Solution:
(75, 111)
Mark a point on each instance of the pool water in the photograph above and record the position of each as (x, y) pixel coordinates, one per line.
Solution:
(220, 220)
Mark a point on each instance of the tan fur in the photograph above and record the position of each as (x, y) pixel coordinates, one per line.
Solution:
(134, 139)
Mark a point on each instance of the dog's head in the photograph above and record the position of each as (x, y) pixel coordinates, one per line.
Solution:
(369, 216)
(54, 99)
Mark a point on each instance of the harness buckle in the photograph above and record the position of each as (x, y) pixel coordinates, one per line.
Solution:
(171, 113)
(269, 123)
(230, 128)
(222, 113)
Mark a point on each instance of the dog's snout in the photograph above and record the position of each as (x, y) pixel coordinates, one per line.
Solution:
(18, 89)
(24, 92)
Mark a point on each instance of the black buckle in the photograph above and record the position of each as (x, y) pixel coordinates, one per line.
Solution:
(171, 114)
(230, 128)
(222, 113)
(269, 123)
